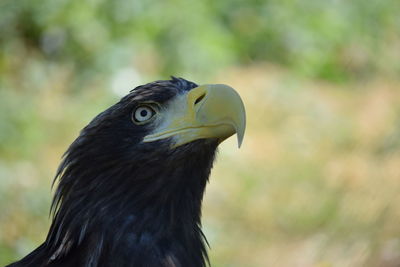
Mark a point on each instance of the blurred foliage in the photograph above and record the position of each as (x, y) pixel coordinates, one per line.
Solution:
(316, 182)
(335, 40)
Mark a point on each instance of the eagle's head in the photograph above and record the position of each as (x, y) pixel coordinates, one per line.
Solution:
(130, 186)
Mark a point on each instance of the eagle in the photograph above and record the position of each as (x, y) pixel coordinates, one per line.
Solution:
(130, 187)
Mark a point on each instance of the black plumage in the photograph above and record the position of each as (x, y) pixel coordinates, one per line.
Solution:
(123, 202)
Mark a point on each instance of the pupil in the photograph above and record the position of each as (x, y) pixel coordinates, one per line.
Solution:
(143, 113)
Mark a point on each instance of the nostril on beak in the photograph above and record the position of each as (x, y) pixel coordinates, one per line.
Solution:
(201, 97)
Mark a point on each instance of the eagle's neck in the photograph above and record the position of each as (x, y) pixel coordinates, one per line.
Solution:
(143, 214)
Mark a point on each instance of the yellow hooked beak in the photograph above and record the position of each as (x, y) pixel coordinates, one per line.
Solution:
(208, 111)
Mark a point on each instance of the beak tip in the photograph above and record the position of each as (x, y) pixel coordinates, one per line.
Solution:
(240, 139)
(240, 129)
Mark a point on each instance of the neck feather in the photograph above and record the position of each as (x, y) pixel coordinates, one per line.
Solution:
(140, 211)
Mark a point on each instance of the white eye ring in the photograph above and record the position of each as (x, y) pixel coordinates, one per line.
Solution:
(143, 114)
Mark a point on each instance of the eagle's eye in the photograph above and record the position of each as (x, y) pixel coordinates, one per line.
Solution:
(143, 114)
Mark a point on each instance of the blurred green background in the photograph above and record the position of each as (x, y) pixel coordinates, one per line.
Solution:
(317, 181)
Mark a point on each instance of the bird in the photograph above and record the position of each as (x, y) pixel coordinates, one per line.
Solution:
(130, 187)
